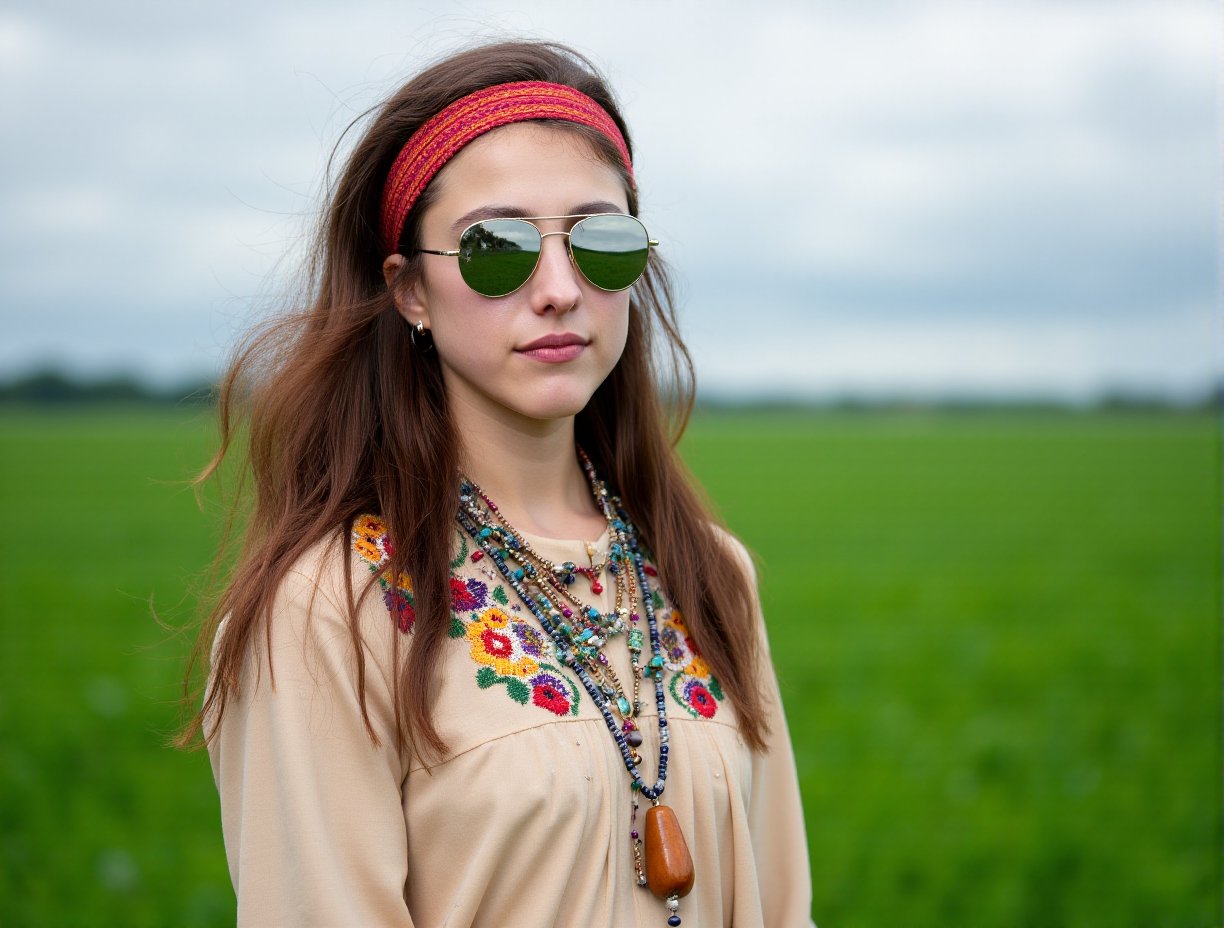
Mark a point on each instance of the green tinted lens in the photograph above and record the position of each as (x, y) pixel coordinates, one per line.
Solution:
(610, 250)
(497, 256)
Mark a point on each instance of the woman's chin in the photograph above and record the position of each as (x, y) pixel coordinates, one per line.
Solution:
(555, 405)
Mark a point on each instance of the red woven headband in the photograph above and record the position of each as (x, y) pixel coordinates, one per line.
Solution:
(441, 138)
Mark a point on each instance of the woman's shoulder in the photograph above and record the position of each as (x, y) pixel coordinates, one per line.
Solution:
(739, 551)
(321, 572)
(315, 596)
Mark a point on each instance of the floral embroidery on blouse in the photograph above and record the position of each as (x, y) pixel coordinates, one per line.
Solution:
(508, 651)
(372, 544)
(692, 685)
(511, 653)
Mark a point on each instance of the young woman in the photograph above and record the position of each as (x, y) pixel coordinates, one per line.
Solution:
(485, 659)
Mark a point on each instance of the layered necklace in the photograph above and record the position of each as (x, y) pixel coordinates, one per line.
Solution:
(580, 632)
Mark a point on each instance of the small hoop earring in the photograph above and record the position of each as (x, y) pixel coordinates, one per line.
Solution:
(419, 329)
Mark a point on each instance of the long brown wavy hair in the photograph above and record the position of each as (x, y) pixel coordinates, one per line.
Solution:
(341, 416)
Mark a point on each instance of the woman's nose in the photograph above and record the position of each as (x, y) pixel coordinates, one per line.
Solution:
(555, 285)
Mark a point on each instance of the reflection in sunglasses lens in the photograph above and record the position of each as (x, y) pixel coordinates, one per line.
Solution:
(610, 250)
(497, 256)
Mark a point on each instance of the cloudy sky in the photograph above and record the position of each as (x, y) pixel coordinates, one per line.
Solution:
(918, 197)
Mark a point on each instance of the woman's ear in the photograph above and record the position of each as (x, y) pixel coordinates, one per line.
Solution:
(409, 300)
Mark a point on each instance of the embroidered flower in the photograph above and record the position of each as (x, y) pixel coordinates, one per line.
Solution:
(674, 645)
(367, 549)
(370, 528)
(697, 667)
(400, 608)
(496, 645)
(530, 640)
(699, 700)
(687, 659)
(469, 595)
(549, 692)
(493, 644)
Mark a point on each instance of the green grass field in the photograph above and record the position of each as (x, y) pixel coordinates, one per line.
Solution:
(998, 637)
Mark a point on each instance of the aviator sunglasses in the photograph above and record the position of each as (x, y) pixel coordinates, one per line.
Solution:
(497, 256)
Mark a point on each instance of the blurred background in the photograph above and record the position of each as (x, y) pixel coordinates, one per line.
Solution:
(951, 280)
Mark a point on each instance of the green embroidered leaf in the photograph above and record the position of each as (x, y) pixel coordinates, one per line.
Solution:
(574, 698)
(485, 677)
(499, 594)
(715, 689)
(457, 630)
(517, 689)
(463, 553)
(656, 600)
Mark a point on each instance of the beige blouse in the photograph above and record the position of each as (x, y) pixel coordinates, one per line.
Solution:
(527, 822)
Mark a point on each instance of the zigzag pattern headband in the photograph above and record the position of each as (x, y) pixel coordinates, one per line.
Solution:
(443, 135)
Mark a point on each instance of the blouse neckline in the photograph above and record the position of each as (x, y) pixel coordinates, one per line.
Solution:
(568, 549)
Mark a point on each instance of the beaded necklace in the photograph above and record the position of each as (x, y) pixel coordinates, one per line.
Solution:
(585, 627)
(580, 632)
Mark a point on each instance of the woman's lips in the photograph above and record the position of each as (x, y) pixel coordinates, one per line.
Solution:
(554, 349)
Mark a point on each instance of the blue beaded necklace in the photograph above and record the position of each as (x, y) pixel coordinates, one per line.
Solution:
(667, 867)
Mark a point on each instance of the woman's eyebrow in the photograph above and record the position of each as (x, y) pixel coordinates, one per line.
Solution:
(597, 206)
(514, 212)
(486, 212)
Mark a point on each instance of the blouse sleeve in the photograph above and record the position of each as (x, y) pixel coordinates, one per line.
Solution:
(775, 812)
(311, 808)
(775, 820)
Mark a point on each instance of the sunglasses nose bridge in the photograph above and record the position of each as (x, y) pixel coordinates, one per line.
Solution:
(569, 251)
(544, 235)
(570, 264)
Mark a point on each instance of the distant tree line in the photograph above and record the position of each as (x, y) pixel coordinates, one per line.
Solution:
(55, 388)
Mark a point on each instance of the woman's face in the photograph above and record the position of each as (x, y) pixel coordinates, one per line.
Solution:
(486, 346)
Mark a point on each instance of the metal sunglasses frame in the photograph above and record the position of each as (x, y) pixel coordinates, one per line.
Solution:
(531, 221)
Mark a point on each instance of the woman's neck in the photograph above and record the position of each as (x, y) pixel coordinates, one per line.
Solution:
(530, 469)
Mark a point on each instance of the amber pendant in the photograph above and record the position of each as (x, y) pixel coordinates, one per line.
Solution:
(669, 866)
